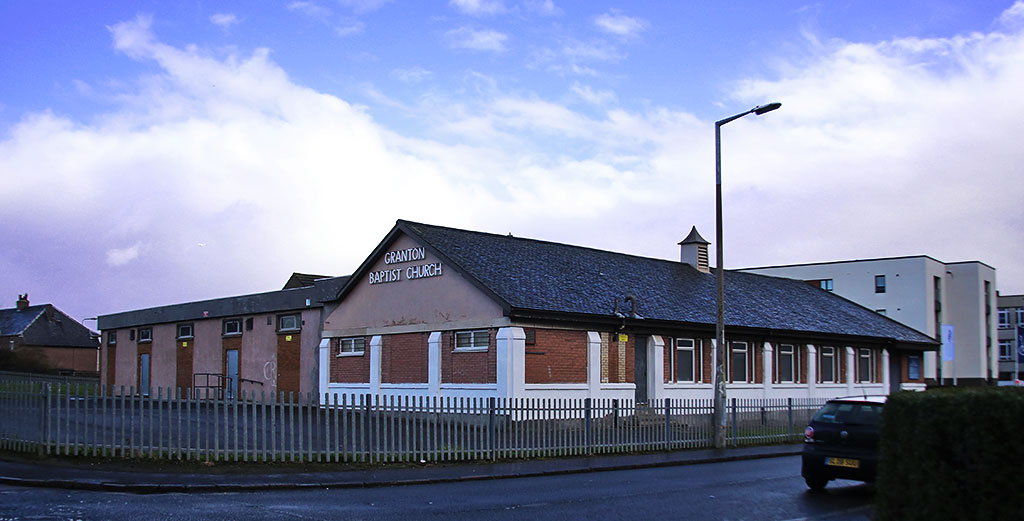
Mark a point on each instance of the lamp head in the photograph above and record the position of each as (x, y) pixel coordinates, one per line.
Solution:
(766, 108)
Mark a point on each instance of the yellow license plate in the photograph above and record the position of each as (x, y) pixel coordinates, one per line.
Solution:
(843, 462)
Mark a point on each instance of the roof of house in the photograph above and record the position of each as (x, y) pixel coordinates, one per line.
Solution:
(301, 280)
(45, 325)
(310, 296)
(533, 275)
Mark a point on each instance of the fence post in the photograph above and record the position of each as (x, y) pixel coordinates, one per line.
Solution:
(789, 409)
(587, 426)
(668, 423)
(44, 421)
(490, 428)
(734, 433)
(366, 426)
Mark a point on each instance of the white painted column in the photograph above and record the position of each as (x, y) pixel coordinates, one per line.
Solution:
(593, 364)
(655, 367)
(511, 368)
(885, 371)
(812, 370)
(434, 363)
(850, 370)
(375, 355)
(767, 364)
(324, 369)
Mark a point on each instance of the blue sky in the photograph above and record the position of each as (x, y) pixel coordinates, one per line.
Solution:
(158, 152)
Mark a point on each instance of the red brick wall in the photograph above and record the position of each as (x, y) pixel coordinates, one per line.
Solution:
(627, 363)
(349, 369)
(666, 369)
(557, 356)
(476, 367)
(709, 360)
(404, 358)
(841, 353)
(878, 366)
(804, 356)
(758, 353)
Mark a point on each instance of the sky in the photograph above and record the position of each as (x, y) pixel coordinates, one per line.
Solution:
(158, 152)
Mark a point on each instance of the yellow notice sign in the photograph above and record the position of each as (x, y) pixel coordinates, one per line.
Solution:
(287, 338)
(623, 337)
(184, 344)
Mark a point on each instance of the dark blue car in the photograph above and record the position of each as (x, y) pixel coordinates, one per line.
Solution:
(841, 441)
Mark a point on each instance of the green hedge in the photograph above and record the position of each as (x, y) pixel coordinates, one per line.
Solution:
(952, 454)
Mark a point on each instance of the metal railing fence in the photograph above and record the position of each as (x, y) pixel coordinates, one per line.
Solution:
(96, 421)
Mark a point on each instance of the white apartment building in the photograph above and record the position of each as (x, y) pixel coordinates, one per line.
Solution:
(1011, 316)
(925, 294)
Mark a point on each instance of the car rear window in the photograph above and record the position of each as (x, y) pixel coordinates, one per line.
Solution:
(850, 413)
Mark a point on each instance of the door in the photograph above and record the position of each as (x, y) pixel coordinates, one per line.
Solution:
(640, 368)
(232, 373)
(895, 374)
(144, 374)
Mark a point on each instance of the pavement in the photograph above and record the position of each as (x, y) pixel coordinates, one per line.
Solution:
(162, 477)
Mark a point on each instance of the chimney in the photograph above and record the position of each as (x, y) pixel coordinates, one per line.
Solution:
(22, 302)
(693, 250)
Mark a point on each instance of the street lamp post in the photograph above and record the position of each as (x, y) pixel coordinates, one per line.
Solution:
(720, 346)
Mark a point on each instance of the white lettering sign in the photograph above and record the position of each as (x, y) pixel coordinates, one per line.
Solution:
(382, 276)
(406, 255)
(423, 271)
(419, 271)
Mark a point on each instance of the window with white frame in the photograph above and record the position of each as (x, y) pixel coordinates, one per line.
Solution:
(828, 365)
(787, 363)
(739, 361)
(352, 346)
(1006, 349)
(476, 340)
(145, 334)
(879, 283)
(288, 322)
(185, 331)
(1004, 318)
(232, 327)
(112, 338)
(865, 365)
(688, 360)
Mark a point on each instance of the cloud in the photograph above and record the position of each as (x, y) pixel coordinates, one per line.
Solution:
(620, 25)
(542, 7)
(224, 20)
(411, 75)
(311, 9)
(476, 40)
(364, 6)
(880, 149)
(121, 256)
(478, 7)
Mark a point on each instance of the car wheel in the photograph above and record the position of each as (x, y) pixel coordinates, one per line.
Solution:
(816, 483)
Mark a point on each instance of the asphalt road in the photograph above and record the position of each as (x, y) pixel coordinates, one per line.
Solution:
(765, 489)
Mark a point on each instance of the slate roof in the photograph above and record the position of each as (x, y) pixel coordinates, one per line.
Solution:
(270, 302)
(37, 329)
(527, 274)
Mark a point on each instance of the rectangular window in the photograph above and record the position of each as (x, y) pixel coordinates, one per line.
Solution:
(825, 284)
(1004, 318)
(865, 365)
(786, 363)
(879, 283)
(352, 346)
(111, 338)
(828, 365)
(471, 340)
(145, 334)
(914, 367)
(232, 327)
(1006, 349)
(288, 322)
(688, 360)
(1020, 316)
(739, 355)
(185, 331)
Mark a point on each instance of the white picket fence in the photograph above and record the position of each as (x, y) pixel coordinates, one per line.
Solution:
(91, 420)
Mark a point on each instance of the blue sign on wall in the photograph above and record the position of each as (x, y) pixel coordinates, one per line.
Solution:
(1020, 343)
